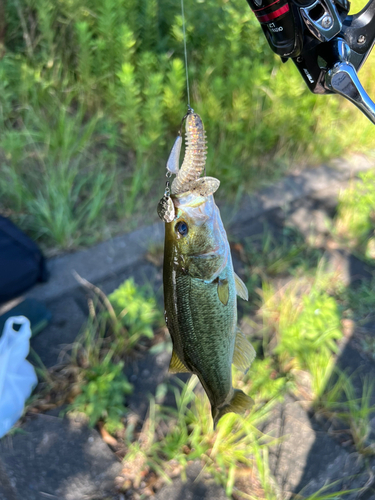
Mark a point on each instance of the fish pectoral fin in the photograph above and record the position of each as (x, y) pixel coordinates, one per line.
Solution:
(223, 291)
(241, 288)
(239, 403)
(176, 365)
(244, 353)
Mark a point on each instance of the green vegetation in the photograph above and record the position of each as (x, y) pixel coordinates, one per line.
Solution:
(274, 256)
(306, 323)
(296, 329)
(355, 221)
(360, 301)
(300, 327)
(236, 445)
(341, 405)
(266, 256)
(92, 381)
(102, 395)
(298, 322)
(305, 327)
(115, 325)
(297, 318)
(92, 94)
(136, 314)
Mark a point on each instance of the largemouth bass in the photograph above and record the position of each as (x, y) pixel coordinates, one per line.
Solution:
(200, 285)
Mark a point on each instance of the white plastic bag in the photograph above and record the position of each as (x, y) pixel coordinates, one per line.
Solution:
(17, 376)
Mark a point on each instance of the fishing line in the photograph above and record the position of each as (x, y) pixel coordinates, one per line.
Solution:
(165, 207)
(185, 52)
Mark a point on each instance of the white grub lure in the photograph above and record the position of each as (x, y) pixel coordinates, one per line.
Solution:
(173, 163)
(188, 176)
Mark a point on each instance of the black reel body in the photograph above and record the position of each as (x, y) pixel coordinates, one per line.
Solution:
(281, 25)
(326, 44)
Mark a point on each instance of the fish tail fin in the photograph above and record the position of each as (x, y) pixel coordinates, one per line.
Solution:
(239, 403)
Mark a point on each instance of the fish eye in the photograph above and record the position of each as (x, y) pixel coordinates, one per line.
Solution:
(182, 228)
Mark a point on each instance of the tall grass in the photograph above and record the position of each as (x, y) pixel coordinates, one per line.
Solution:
(355, 220)
(92, 92)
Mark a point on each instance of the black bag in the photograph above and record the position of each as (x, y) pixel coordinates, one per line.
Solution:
(21, 262)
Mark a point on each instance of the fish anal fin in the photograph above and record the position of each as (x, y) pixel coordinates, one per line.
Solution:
(176, 365)
(223, 291)
(241, 288)
(244, 353)
(239, 403)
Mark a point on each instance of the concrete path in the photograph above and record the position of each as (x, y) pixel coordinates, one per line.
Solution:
(56, 458)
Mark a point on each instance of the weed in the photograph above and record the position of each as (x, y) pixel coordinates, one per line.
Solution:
(116, 324)
(266, 256)
(359, 412)
(359, 302)
(92, 380)
(367, 343)
(355, 212)
(339, 403)
(102, 395)
(323, 494)
(331, 398)
(188, 435)
(44, 179)
(265, 381)
(71, 177)
(302, 325)
(136, 312)
(315, 329)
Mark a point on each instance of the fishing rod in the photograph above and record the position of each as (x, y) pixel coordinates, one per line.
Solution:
(327, 45)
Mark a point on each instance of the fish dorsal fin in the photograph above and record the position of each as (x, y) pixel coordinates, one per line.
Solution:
(176, 365)
(241, 288)
(223, 291)
(244, 353)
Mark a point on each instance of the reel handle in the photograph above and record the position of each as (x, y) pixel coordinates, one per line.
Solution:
(343, 80)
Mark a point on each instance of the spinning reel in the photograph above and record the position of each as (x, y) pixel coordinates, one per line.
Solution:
(326, 44)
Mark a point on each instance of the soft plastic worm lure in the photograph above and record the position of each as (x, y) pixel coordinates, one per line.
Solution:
(195, 154)
(187, 177)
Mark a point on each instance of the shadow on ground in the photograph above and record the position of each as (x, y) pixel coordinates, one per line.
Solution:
(350, 469)
(58, 459)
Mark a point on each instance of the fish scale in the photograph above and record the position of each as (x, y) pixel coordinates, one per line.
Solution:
(192, 329)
